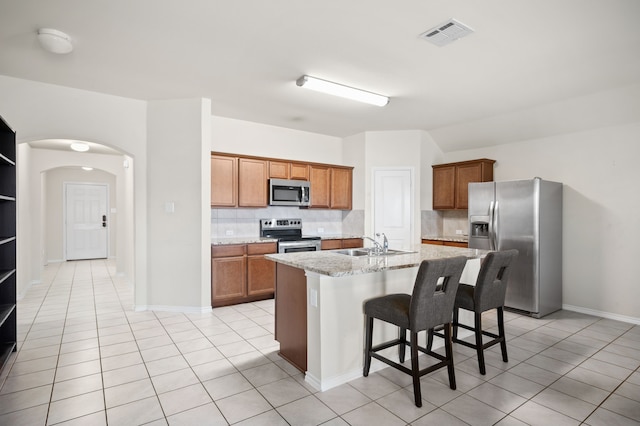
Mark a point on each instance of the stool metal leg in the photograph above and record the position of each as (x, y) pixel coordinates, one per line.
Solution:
(477, 318)
(367, 345)
(503, 341)
(448, 348)
(415, 369)
(455, 323)
(403, 344)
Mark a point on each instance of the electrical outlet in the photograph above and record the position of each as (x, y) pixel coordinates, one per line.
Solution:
(313, 297)
(458, 231)
(320, 230)
(228, 232)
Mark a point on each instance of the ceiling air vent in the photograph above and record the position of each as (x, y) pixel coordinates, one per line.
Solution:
(446, 32)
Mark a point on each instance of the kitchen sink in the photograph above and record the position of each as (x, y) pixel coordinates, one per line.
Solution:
(370, 252)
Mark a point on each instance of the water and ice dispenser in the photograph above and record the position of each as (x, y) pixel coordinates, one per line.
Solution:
(479, 228)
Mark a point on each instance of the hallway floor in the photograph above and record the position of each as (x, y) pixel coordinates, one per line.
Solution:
(86, 358)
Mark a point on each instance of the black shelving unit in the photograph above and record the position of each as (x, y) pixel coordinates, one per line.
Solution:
(8, 332)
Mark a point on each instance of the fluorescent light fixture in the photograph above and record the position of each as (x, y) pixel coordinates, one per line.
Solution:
(336, 89)
(54, 41)
(79, 146)
(88, 169)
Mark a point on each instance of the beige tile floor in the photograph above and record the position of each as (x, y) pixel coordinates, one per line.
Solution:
(86, 358)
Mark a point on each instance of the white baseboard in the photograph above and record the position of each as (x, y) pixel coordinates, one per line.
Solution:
(55, 261)
(165, 308)
(602, 314)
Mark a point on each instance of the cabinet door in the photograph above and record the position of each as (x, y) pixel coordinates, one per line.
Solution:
(341, 188)
(224, 181)
(228, 278)
(444, 187)
(278, 170)
(330, 244)
(320, 178)
(252, 183)
(352, 243)
(299, 171)
(261, 275)
(465, 174)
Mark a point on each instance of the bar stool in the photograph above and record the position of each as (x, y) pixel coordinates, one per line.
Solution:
(488, 293)
(429, 305)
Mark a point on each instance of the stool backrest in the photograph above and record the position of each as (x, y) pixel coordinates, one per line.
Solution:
(493, 278)
(432, 298)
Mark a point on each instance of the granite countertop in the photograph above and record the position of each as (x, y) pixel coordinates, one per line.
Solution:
(454, 238)
(248, 240)
(241, 240)
(331, 263)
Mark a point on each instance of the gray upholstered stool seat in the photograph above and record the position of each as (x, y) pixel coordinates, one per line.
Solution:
(488, 293)
(429, 305)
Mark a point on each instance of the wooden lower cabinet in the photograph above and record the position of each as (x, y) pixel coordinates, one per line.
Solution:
(445, 243)
(341, 243)
(240, 273)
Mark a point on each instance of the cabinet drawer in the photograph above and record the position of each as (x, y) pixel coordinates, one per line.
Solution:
(433, 242)
(261, 248)
(228, 250)
(352, 243)
(331, 244)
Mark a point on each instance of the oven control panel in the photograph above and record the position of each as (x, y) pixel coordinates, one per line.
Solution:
(280, 223)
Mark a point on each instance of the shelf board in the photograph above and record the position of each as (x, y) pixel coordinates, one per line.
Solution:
(7, 160)
(5, 240)
(5, 311)
(4, 274)
(5, 351)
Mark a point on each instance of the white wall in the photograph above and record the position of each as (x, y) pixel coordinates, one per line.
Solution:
(244, 137)
(178, 194)
(599, 169)
(44, 111)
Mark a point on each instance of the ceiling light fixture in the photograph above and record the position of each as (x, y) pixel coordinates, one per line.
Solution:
(88, 169)
(336, 89)
(79, 146)
(54, 41)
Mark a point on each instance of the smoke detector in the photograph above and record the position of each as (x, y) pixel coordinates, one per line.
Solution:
(446, 33)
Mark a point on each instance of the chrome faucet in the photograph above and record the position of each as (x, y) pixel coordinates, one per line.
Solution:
(378, 248)
(385, 244)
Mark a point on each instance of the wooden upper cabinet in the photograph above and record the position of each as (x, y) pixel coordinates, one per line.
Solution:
(224, 181)
(278, 170)
(444, 187)
(299, 171)
(341, 188)
(451, 182)
(288, 170)
(252, 183)
(243, 181)
(320, 178)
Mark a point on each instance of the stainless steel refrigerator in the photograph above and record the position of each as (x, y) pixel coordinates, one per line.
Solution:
(525, 215)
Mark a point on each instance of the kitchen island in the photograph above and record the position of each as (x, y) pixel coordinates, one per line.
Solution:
(319, 297)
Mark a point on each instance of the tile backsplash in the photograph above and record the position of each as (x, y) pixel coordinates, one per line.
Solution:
(245, 222)
(443, 222)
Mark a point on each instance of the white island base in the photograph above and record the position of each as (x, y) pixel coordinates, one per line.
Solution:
(335, 321)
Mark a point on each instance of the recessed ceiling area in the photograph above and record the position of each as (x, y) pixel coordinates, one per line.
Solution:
(523, 57)
(65, 145)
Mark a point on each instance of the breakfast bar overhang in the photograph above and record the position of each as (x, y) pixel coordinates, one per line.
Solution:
(319, 298)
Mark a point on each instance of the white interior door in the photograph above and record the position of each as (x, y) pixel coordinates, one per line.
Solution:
(86, 221)
(393, 206)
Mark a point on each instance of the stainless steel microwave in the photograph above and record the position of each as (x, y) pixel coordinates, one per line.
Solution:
(283, 192)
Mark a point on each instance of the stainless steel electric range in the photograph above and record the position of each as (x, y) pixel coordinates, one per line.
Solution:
(288, 232)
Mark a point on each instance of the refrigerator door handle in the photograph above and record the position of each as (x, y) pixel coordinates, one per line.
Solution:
(491, 239)
(495, 226)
